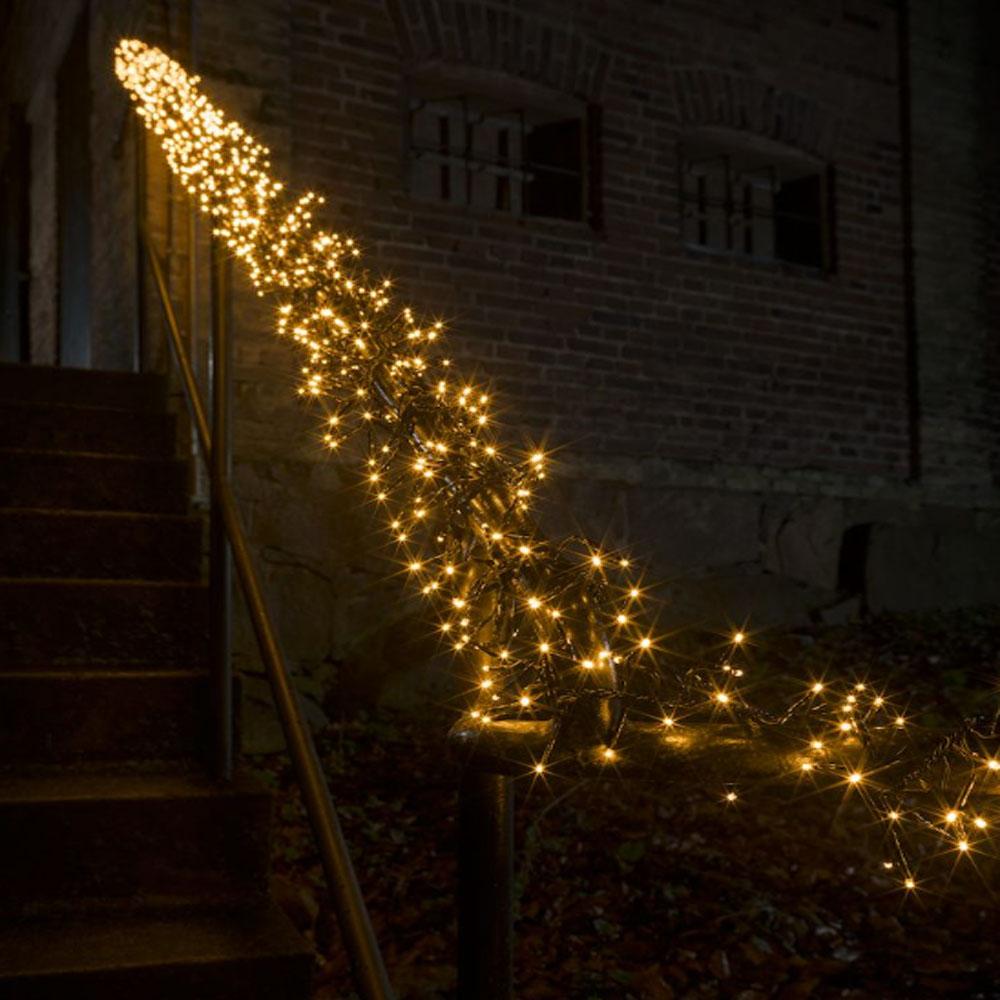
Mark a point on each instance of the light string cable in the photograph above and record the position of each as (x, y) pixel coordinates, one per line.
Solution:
(541, 626)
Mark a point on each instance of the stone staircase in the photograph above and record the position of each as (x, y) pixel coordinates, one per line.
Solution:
(125, 870)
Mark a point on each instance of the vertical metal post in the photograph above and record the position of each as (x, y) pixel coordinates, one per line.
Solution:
(139, 345)
(220, 559)
(485, 887)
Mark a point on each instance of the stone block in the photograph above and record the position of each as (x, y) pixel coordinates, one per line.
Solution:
(916, 568)
(723, 601)
(802, 539)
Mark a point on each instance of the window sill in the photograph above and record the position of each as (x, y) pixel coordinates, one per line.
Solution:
(696, 250)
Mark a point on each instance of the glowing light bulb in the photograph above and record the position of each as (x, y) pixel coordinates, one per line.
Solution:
(738, 637)
(721, 697)
(854, 778)
(731, 796)
(646, 643)
(669, 721)
(817, 687)
(909, 883)
(609, 754)
(951, 816)
(962, 845)
(539, 769)
(524, 701)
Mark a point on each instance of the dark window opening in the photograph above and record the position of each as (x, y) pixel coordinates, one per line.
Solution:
(756, 201)
(798, 230)
(520, 161)
(554, 155)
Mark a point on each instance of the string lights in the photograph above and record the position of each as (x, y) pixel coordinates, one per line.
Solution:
(540, 625)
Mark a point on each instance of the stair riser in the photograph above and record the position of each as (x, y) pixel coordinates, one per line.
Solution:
(79, 387)
(110, 432)
(77, 482)
(59, 719)
(65, 852)
(267, 978)
(99, 546)
(91, 623)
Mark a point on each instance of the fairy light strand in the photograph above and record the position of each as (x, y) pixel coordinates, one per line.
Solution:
(537, 622)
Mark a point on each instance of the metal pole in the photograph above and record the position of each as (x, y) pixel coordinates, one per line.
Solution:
(485, 886)
(220, 560)
(138, 346)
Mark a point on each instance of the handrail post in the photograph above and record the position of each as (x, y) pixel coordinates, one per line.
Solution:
(139, 150)
(485, 886)
(220, 559)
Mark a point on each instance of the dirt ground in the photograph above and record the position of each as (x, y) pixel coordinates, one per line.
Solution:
(637, 890)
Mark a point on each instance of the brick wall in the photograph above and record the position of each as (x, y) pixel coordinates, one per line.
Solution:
(621, 342)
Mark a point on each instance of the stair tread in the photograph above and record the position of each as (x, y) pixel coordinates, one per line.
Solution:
(119, 785)
(62, 674)
(83, 942)
(100, 581)
(110, 515)
(58, 404)
(97, 667)
(104, 456)
(26, 383)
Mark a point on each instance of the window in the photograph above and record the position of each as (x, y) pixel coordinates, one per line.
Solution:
(755, 198)
(504, 154)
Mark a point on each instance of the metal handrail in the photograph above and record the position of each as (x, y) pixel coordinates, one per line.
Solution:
(369, 970)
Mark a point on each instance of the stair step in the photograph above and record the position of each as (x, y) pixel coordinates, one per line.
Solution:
(58, 427)
(81, 481)
(99, 545)
(58, 623)
(253, 953)
(49, 717)
(82, 387)
(138, 838)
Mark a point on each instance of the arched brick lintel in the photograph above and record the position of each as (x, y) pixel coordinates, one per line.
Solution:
(481, 34)
(713, 97)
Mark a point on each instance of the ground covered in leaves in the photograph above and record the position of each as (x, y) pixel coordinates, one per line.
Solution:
(632, 890)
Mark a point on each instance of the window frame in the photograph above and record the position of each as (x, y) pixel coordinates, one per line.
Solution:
(702, 144)
(498, 93)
